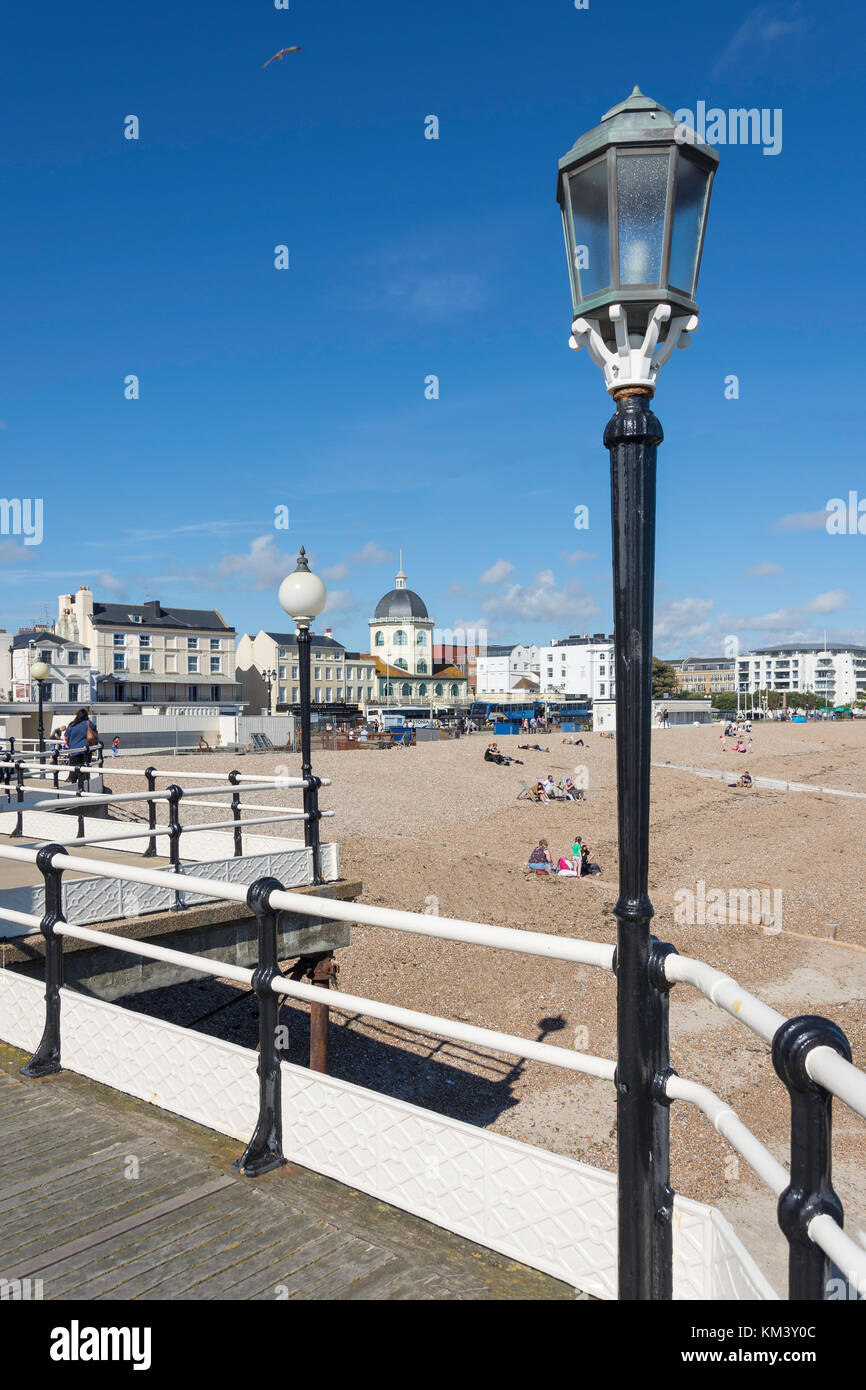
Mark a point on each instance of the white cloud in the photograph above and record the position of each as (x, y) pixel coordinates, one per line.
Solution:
(685, 622)
(265, 566)
(830, 602)
(761, 29)
(113, 584)
(541, 601)
(575, 557)
(11, 552)
(370, 554)
(341, 601)
(802, 521)
(766, 567)
(497, 572)
(335, 572)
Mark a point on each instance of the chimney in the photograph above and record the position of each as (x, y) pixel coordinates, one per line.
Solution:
(150, 610)
(328, 632)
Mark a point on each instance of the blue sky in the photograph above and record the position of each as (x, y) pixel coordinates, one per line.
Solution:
(304, 388)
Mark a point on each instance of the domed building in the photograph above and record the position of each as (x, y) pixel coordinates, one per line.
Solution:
(401, 640)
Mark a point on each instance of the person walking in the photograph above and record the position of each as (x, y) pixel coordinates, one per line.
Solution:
(81, 735)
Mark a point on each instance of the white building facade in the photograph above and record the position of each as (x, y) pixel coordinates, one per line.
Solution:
(579, 667)
(499, 668)
(835, 673)
(71, 679)
(152, 656)
(336, 676)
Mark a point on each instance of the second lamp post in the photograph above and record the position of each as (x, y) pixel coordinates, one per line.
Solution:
(303, 596)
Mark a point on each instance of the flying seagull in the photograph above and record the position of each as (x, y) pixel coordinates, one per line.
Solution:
(282, 53)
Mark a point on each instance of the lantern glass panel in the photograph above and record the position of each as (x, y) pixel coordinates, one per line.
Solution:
(689, 203)
(590, 250)
(641, 188)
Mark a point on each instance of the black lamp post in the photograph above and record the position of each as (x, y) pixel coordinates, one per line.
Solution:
(270, 677)
(303, 596)
(634, 194)
(40, 671)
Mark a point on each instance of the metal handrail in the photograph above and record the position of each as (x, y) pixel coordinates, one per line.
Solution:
(823, 1063)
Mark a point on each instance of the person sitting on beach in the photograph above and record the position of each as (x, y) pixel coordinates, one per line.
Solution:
(565, 868)
(741, 747)
(537, 793)
(744, 781)
(549, 786)
(572, 792)
(541, 856)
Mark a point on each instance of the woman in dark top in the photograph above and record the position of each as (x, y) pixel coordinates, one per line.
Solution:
(77, 734)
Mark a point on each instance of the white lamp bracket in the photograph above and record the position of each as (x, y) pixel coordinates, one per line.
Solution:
(637, 360)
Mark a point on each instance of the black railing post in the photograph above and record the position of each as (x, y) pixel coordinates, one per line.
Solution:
(174, 833)
(265, 1149)
(632, 436)
(19, 798)
(46, 1059)
(55, 760)
(79, 786)
(234, 778)
(150, 775)
(810, 1192)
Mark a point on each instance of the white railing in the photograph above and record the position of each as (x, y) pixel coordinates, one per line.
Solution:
(828, 1068)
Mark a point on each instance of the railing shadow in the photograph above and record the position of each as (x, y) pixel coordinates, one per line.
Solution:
(460, 1080)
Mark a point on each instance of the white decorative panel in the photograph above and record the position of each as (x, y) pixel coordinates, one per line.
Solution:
(547, 1211)
(88, 900)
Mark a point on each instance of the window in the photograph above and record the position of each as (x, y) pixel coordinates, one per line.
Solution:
(45, 656)
(378, 640)
(317, 674)
(422, 689)
(318, 694)
(348, 692)
(401, 663)
(216, 667)
(405, 688)
(215, 694)
(73, 692)
(421, 639)
(327, 673)
(145, 694)
(439, 689)
(282, 671)
(192, 665)
(282, 694)
(118, 661)
(284, 652)
(294, 673)
(135, 617)
(72, 658)
(369, 692)
(422, 667)
(455, 690)
(400, 638)
(339, 692)
(144, 639)
(192, 644)
(294, 694)
(193, 693)
(144, 660)
(214, 644)
(118, 639)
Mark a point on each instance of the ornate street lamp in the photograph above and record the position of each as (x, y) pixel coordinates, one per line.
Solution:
(303, 596)
(634, 194)
(40, 671)
(269, 677)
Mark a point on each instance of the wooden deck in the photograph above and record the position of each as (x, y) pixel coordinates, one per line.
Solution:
(103, 1197)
